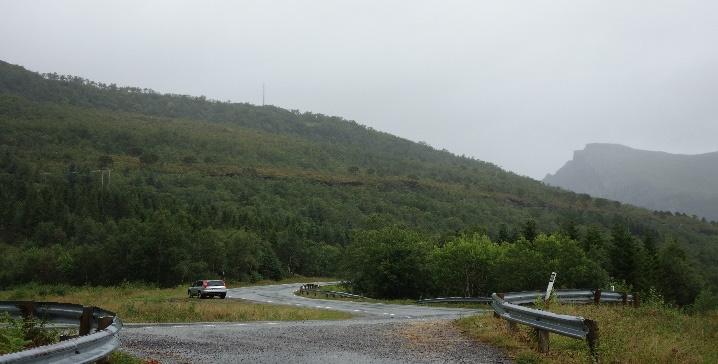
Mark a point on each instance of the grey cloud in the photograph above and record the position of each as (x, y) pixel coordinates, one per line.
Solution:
(520, 84)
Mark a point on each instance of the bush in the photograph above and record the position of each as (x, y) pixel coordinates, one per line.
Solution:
(21, 334)
(12, 337)
(706, 301)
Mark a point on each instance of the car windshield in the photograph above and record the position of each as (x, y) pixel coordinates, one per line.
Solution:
(215, 283)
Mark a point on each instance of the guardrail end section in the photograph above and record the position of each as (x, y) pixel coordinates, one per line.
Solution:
(104, 322)
(592, 337)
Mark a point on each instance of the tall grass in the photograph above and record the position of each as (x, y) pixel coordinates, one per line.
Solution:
(654, 333)
(143, 303)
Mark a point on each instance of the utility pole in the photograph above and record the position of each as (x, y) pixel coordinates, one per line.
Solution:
(262, 93)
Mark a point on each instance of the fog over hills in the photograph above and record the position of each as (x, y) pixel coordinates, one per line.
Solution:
(655, 180)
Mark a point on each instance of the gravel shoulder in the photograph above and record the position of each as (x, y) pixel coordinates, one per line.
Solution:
(378, 334)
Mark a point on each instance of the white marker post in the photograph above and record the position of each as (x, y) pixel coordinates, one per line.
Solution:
(550, 286)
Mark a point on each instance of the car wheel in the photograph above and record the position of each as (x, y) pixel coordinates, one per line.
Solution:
(222, 296)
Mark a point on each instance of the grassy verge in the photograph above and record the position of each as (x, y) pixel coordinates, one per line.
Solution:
(120, 357)
(650, 334)
(139, 303)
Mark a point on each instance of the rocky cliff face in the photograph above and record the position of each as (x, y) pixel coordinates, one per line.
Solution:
(655, 180)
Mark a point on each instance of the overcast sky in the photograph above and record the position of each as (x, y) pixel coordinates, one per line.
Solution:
(517, 83)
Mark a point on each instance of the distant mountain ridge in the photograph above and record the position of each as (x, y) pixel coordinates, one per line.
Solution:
(655, 180)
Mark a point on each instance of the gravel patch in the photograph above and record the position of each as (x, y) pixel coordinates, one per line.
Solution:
(378, 334)
(310, 342)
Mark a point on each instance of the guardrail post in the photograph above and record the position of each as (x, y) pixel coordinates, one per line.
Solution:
(543, 341)
(597, 296)
(636, 300)
(104, 322)
(27, 309)
(592, 338)
(501, 295)
(86, 320)
(624, 298)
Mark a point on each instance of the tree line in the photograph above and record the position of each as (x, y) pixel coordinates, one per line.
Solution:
(398, 263)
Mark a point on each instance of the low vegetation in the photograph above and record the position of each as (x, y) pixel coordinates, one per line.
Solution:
(141, 303)
(653, 333)
(20, 334)
(121, 357)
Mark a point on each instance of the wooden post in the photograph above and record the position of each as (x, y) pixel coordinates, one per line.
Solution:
(592, 338)
(543, 341)
(597, 296)
(624, 298)
(86, 321)
(104, 322)
(27, 309)
(512, 327)
(636, 300)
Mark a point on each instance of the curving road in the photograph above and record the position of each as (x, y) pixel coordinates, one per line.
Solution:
(378, 333)
(284, 294)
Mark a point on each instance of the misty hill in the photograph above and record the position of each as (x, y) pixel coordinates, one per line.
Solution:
(655, 180)
(198, 185)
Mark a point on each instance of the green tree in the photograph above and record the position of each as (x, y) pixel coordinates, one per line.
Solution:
(530, 231)
(527, 266)
(505, 235)
(466, 266)
(679, 282)
(391, 262)
(104, 161)
(149, 158)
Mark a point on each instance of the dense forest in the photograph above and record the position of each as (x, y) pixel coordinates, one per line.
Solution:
(101, 184)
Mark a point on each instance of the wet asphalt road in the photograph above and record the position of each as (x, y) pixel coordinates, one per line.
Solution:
(284, 294)
(379, 333)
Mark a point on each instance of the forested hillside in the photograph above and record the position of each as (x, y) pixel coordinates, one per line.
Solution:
(655, 180)
(101, 184)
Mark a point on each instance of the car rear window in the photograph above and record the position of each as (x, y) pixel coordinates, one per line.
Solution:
(215, 283)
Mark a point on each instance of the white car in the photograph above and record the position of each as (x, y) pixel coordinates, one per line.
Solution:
(208, 288)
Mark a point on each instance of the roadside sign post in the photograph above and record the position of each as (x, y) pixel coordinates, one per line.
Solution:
(550, 286)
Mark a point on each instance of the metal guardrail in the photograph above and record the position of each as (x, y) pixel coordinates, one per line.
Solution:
(97, 337)
(508, 307)
(313, 289)
(577, 296)
(455, 300)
